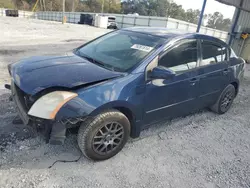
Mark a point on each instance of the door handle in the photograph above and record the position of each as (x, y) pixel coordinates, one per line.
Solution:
(225, 71)
(193, 81)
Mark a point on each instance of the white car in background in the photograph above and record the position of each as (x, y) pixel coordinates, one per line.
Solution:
(112, 22)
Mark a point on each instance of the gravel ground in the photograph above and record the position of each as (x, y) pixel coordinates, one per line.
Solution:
(200, 150)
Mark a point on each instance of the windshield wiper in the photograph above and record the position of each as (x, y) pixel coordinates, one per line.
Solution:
(109, 67)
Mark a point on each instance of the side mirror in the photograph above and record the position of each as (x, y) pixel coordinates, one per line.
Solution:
(161, 73)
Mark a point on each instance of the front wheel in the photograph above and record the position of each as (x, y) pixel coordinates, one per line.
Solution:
(105, 136)
(225, 100)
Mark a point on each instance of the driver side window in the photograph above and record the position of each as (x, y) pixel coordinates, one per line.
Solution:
(181, 58)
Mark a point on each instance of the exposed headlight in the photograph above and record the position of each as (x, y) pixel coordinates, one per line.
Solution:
(48, 105)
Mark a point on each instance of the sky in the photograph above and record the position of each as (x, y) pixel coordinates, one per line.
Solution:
(211, 7)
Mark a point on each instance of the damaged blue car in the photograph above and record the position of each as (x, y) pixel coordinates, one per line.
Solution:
(115, 85)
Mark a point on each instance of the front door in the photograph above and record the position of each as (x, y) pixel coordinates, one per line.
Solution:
(173, 97)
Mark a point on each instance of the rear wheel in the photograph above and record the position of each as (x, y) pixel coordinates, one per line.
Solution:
(105, 136)
(225, 100)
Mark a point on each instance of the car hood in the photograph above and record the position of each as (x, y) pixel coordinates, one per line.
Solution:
(35, 74)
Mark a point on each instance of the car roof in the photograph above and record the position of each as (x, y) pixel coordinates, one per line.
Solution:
(171, 33)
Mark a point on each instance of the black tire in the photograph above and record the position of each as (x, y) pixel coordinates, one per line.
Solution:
(92, 136)
(225, 100)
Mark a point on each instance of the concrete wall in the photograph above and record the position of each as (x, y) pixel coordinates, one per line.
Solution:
(126, 21)
(130, 21)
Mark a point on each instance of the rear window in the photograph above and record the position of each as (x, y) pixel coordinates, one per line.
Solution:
(212, 53)
(232, 53)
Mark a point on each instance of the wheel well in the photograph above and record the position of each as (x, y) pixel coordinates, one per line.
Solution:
(129, 114)
(236, 86)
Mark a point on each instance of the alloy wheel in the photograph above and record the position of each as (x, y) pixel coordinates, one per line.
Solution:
(227, 101)
(108, 138)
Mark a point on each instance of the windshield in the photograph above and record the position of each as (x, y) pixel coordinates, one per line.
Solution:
(120, 50)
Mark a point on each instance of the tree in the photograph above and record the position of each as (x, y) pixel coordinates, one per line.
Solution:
(17, 3)
(132, 6)
(160, 8)
(176, 11)
(7, 4)
(192, 16)
(145, 7)
(114, 6)
(217, 21)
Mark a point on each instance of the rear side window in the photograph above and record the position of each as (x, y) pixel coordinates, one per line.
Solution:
(232, 53)
(212, 53)
(181, 58)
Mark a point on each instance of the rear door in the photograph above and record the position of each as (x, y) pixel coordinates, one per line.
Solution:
(213, 72)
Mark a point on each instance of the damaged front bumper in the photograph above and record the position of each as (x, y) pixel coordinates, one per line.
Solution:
(18, 98)
(54, 130)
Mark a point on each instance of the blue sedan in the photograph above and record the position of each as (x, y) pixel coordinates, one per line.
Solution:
(115, 85)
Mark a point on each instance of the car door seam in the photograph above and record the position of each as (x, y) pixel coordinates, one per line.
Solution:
(187, 79)
(163, 107)
(209, 93)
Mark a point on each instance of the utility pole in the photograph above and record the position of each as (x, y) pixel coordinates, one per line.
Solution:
(16, 4)
(102, 5)
(63, 11)
(73, 6)
(201, 16)
(41, 5)
(51, 5)
(44, 4)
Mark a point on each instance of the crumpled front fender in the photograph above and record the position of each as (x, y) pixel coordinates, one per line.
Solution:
(74, 108)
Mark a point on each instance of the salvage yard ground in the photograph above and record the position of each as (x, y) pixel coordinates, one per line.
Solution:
(201, 150)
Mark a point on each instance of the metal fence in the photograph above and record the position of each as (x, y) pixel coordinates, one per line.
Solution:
(126, 21)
